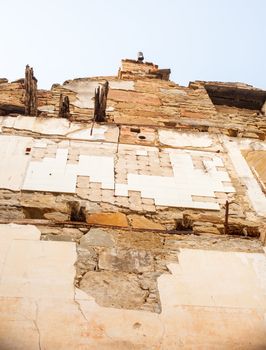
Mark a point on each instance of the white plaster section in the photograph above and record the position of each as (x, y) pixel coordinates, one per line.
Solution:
(121, 189)
(122, 85)
(141, 152)
(52, 174)
(13, 161)
(250, 144)
(181, 139)
(98, 133)
(10, 232)
(215, 279)
(177, 191)
(40, 144)
(85, 90)
(98, 168)
(255, 194)
(34, 268)
(55, 175)
(62, 127)
(199, 182)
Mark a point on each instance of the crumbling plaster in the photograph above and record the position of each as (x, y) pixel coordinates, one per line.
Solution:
(37, 295)
(130, 250)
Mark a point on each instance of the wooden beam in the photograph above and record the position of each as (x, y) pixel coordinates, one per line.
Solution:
(30, 92)
(64, 111)
(100, 102)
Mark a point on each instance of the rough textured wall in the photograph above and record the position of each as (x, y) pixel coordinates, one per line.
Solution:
(131, 214)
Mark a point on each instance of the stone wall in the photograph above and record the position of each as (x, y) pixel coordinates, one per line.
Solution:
(124, 222)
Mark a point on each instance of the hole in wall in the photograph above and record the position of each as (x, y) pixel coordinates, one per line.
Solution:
(170, 124)
(35, 213)
(137, 130)
(142, 137)
(77, 212)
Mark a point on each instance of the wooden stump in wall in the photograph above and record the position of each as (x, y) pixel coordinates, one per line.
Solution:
(100, 102)
(64, 111)
(30, 92)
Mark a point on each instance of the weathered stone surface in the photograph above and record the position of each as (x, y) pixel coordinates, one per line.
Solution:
(137, 221)
(97, 237)
(126, 260)
(87, 261)
(257, 161)
(213, 295)
(134, 97)
(112, 289)
(206, 229)
(112, 219)
(68, 234)
(56, 216)
(43, 200)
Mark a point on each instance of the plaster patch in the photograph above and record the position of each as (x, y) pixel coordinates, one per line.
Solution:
(179, 139)
(55, 175)
(85, 90)
(14, 161)
(177, 190)
(255, 194)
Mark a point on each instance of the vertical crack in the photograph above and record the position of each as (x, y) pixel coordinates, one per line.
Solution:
(80, 310)
(163, 332)
(36, 325)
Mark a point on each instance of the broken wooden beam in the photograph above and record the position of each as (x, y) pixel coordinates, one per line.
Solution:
(64, 111)
(100, 102)
(30, 83)
(226, 218)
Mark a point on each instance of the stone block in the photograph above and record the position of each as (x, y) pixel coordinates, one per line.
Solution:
(96, 237)
(95, 195)
(112, 219)
(206, 229)
(138, 221)
(114, 289)
(56, 216)
(83, 193)
(149, 208)
(134, 97)
(126, 260)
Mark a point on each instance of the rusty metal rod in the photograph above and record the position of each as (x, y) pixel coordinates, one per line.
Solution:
(226, 218)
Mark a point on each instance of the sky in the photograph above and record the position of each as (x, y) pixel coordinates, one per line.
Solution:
(212, 40)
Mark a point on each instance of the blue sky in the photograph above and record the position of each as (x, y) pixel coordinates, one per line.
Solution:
(222, 40)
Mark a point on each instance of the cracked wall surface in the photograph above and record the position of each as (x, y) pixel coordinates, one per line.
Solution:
(34, 302)
(114, 234)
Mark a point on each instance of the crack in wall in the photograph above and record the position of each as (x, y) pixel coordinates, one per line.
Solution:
(36, 324)
(80, 309)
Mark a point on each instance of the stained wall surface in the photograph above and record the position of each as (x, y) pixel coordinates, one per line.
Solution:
(210, 300)
(116, 235)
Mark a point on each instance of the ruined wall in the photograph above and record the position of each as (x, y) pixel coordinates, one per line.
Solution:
(127, 197)
(208, 299)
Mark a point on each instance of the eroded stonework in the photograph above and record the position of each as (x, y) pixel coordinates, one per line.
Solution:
(117, 234)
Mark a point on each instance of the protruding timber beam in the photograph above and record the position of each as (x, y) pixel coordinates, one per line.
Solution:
(100, 102)
(64, 111)
(30, 92)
